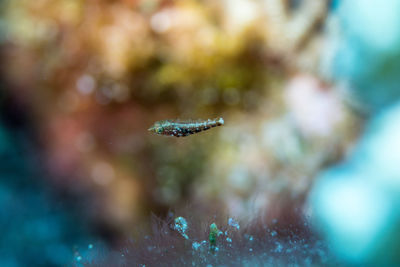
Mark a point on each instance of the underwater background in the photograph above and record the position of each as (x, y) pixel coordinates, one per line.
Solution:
(305, 170)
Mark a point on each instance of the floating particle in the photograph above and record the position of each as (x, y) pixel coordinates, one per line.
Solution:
(90, 246)
(184, 128)
(233, 223)
(181, 226)
(249, 237)
(278, 248)
(229, 240)
(196, 245)
(273, 233)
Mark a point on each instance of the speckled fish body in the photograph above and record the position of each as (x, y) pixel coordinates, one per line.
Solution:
(184, 128)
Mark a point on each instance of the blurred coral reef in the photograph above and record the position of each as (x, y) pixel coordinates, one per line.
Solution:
(356, 203)
(91, 77)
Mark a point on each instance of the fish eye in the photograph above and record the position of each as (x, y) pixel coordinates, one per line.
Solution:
(160, 130)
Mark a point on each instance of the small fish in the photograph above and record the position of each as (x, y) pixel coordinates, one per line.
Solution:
(184, 128)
